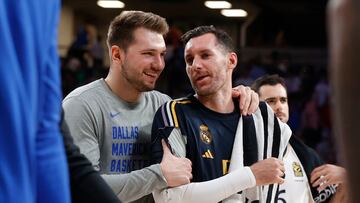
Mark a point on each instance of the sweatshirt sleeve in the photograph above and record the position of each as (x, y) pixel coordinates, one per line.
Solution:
(80, 123)
(132, 186)
(208, 191)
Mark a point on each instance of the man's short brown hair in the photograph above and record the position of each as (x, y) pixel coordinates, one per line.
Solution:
(267, 80)
(221, 36)
(121, 28)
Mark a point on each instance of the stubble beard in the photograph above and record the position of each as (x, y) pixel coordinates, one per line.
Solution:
(134, 81)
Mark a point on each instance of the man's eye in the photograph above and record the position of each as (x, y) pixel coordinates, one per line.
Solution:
(205, 56)
(283, 100)
(270, 101)
(189, 61)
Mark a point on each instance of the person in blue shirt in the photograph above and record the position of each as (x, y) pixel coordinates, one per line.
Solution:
(33, 165)
(32, 154)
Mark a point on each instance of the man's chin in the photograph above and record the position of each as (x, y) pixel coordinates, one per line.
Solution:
(201, 91)
(283, 119)
(147, 87)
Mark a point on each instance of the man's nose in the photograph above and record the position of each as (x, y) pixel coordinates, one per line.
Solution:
(278, 105)
(158, 63)
(196, 63)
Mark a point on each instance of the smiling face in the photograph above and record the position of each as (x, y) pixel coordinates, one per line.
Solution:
(208, 65)
(143, 60)
(276, 97)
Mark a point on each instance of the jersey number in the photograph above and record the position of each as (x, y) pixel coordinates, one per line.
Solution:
(225, 166)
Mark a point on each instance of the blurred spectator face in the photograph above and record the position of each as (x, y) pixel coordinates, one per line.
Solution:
(276, 97)
(143, 60)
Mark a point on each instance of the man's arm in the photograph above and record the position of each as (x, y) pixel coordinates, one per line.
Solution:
(132, 186)
(79, 123)
(209, 191)
(328, 175)
(344, 43)
(266, 171)
(86, 183)
(171, 172)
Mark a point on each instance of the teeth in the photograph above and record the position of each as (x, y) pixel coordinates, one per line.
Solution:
(151, 75)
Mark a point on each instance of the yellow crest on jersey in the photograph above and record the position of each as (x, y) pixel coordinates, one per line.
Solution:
(297, 169)
(205, 134)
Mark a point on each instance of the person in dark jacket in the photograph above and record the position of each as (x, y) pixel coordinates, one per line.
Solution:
(305, 172)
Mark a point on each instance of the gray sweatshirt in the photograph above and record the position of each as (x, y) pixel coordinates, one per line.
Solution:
(115, 136)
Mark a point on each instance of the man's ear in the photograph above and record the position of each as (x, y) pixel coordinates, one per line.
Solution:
(232, 60)
(117, 54)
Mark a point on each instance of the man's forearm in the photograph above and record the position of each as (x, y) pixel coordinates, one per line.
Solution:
(209, 191)
(134, 185)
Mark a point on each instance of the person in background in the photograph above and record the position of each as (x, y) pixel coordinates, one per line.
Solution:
(344, 43)
(304, 168)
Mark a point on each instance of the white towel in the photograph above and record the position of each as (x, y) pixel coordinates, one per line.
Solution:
(271, 145)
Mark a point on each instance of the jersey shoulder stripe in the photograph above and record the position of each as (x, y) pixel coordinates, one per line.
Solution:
(168, 112)
(264, 115)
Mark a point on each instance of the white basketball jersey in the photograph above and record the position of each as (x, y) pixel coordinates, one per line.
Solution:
(296, 187)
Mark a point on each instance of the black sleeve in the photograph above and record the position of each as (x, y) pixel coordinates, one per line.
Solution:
(157, 135)
(86, 183)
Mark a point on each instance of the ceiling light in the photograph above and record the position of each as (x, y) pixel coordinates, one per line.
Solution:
(217, 4)
(110, 4)
(234, 12)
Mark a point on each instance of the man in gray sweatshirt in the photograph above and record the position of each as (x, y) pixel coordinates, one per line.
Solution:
(110, 119)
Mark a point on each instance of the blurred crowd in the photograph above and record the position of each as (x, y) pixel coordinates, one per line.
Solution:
(308, 95)
(84, 61)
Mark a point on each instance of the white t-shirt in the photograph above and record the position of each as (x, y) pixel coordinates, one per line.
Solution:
(296, 187)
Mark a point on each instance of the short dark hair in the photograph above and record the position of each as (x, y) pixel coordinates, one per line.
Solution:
(221, 36)
(122, 27)
(267, 80)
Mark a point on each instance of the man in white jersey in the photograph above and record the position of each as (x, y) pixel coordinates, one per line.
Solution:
(110, 119)
(307, 178)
